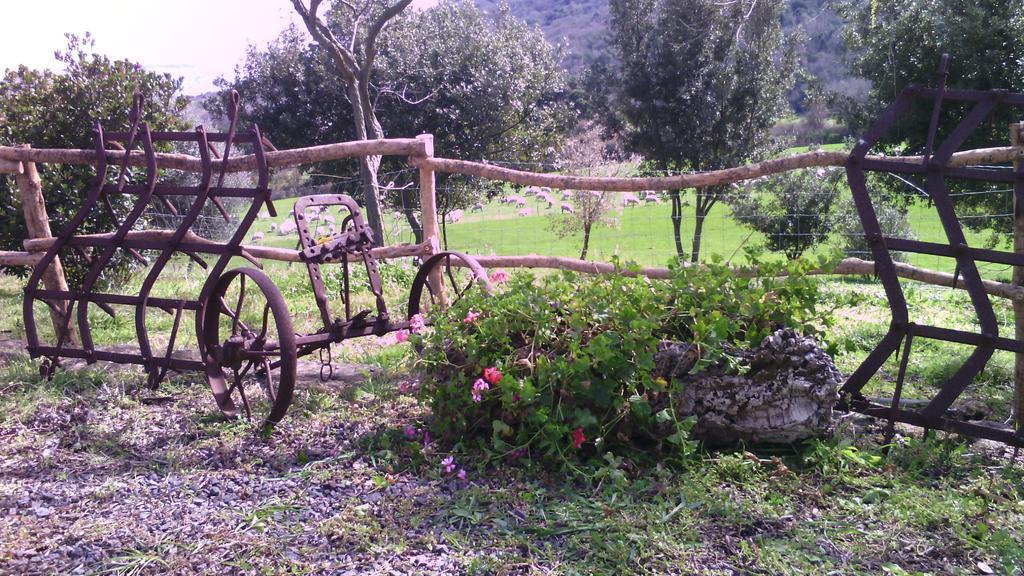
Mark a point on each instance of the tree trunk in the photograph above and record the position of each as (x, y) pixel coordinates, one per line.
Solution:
(785, 392)
(586, 242)
(368, 165)
(706, 198)
(677, 220)
(698, 230)
(409, 209)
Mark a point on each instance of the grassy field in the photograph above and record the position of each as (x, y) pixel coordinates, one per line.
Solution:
(642, 234)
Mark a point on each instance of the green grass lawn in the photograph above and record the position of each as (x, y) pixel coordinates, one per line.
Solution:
(642, 234)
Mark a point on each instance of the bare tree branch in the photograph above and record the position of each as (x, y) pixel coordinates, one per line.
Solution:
(325, 38)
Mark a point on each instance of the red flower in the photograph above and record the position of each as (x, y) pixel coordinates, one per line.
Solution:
(492, 375)
(578, 438)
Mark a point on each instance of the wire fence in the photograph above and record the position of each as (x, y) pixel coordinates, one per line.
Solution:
(488, 217)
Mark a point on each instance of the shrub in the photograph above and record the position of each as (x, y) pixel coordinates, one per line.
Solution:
(793, 209)
(559, 367)
(891, 218)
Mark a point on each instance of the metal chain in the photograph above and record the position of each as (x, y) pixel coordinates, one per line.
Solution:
(326, 368)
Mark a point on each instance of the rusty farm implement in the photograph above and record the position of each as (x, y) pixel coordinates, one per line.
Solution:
(246, 343)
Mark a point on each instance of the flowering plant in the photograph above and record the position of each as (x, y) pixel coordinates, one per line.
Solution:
(561, 367)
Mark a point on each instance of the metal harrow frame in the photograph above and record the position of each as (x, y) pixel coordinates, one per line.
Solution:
(263, 354)
(937, 170)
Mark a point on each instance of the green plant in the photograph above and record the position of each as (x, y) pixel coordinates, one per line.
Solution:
(50, 109)
(793, 209)
(892, 219)
(561, 368)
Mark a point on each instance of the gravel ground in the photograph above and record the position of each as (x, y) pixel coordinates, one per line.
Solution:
(116, 480)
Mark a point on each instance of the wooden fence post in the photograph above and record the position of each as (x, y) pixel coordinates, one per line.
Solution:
(30, 187)
(1017, 139)
(428, 208)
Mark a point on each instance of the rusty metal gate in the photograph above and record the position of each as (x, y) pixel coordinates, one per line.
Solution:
(937, 171)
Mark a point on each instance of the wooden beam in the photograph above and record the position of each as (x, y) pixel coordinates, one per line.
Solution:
(30, 188)
(261, 252)
(696, 179)
(8, 258)
(428, 211)
(11, 167)
(278, 159)
(414, 148)
(1017, 139)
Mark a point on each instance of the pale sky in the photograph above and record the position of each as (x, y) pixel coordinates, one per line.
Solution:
(195, 39)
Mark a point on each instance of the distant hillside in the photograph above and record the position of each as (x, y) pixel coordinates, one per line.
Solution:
(583, 24)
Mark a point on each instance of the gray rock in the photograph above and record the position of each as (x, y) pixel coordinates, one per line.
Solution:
(786, 392)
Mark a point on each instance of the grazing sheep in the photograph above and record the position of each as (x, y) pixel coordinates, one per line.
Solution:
(651, 196)
(544, 197)
(273, 227)
(566, 194)
(454, 216)
(396, 215)
(263, 215)
(630, 200)
(287, 227)
(530, 191)
(329, 219)
(525, 212)
(567, 209)
(257, 236)
(478, 207)
(520, 202)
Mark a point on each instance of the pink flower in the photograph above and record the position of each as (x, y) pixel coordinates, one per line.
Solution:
(401, 336)
(479, 386)
(461, 475)
(417, 323)
(578, 438)
(471, 317)
(410, 432)
(499, 276)
(492, 375)
(448, 464)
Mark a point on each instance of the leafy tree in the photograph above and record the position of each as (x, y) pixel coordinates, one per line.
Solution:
(485, 87)
(50, 109)
(701, 83)
(900, 43)
(793, 209)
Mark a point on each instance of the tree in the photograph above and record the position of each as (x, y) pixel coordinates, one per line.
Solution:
(900, 43)
(485, 87)
(582, 153)
(793, 209)
(350, 37)
(701, 81)
(58, 110)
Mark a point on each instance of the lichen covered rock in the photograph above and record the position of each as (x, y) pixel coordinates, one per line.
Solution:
(784, 391)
